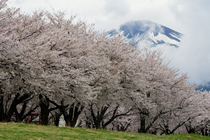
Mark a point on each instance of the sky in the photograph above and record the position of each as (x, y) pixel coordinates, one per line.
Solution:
(190, 17)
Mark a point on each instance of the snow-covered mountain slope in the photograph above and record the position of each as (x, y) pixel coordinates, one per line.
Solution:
(147, 33)
(204, 87)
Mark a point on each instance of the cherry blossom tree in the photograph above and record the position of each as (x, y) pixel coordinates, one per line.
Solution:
(60, 65)
(15, 84)
(162, 90)
(202, 106)
(87, 65)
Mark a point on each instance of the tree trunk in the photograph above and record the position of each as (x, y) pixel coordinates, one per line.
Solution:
(12, 108)
(167, 132)
(44, 113)
(17, 100)
(97, 124)
(2, 114)
(101, 115)
(202, 131)
(98, 118)
(19, 116)
(44, 105)
(5, 116)
(142, 126)
(24, 112)
(57, 118)
(74, 112)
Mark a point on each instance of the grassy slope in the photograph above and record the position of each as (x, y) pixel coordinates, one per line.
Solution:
(19, 131)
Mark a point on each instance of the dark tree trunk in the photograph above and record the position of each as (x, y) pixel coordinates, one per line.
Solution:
(142, 126)
(12, 108)
(98, 118)
(179, 125)
(144, 113)
(2, 114)
(57, 116)
(24, 113)
(44, 113)
(44, 105)
(19, 116)
(102, 114)
(57, 119)
(167, 132)
(189, 128)
(74, 112)
(122, 126)
(202, 131)
(89, 122)
(17, 100)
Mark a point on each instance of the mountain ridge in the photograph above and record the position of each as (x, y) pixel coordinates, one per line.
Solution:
(147, 33)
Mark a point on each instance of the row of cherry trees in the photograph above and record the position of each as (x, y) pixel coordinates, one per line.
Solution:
(54, 66)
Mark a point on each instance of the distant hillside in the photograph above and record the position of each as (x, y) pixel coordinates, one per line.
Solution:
(148, 33)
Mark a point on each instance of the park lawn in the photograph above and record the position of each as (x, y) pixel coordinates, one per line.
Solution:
(20, 131)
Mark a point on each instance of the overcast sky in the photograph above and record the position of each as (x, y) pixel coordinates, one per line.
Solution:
(190, 17)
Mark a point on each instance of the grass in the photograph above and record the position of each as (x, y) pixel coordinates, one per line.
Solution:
(19, 131)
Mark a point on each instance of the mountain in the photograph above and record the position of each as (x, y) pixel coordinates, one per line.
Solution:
(148, 33)
(204, 87)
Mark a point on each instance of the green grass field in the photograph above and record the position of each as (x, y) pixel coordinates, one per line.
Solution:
(19, 131)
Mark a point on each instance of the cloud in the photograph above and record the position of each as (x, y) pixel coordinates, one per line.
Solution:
(193, 56)
(107, 14)
(117, 7)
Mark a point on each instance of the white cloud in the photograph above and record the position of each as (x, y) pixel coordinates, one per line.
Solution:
(193, 55)
(117, 7)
